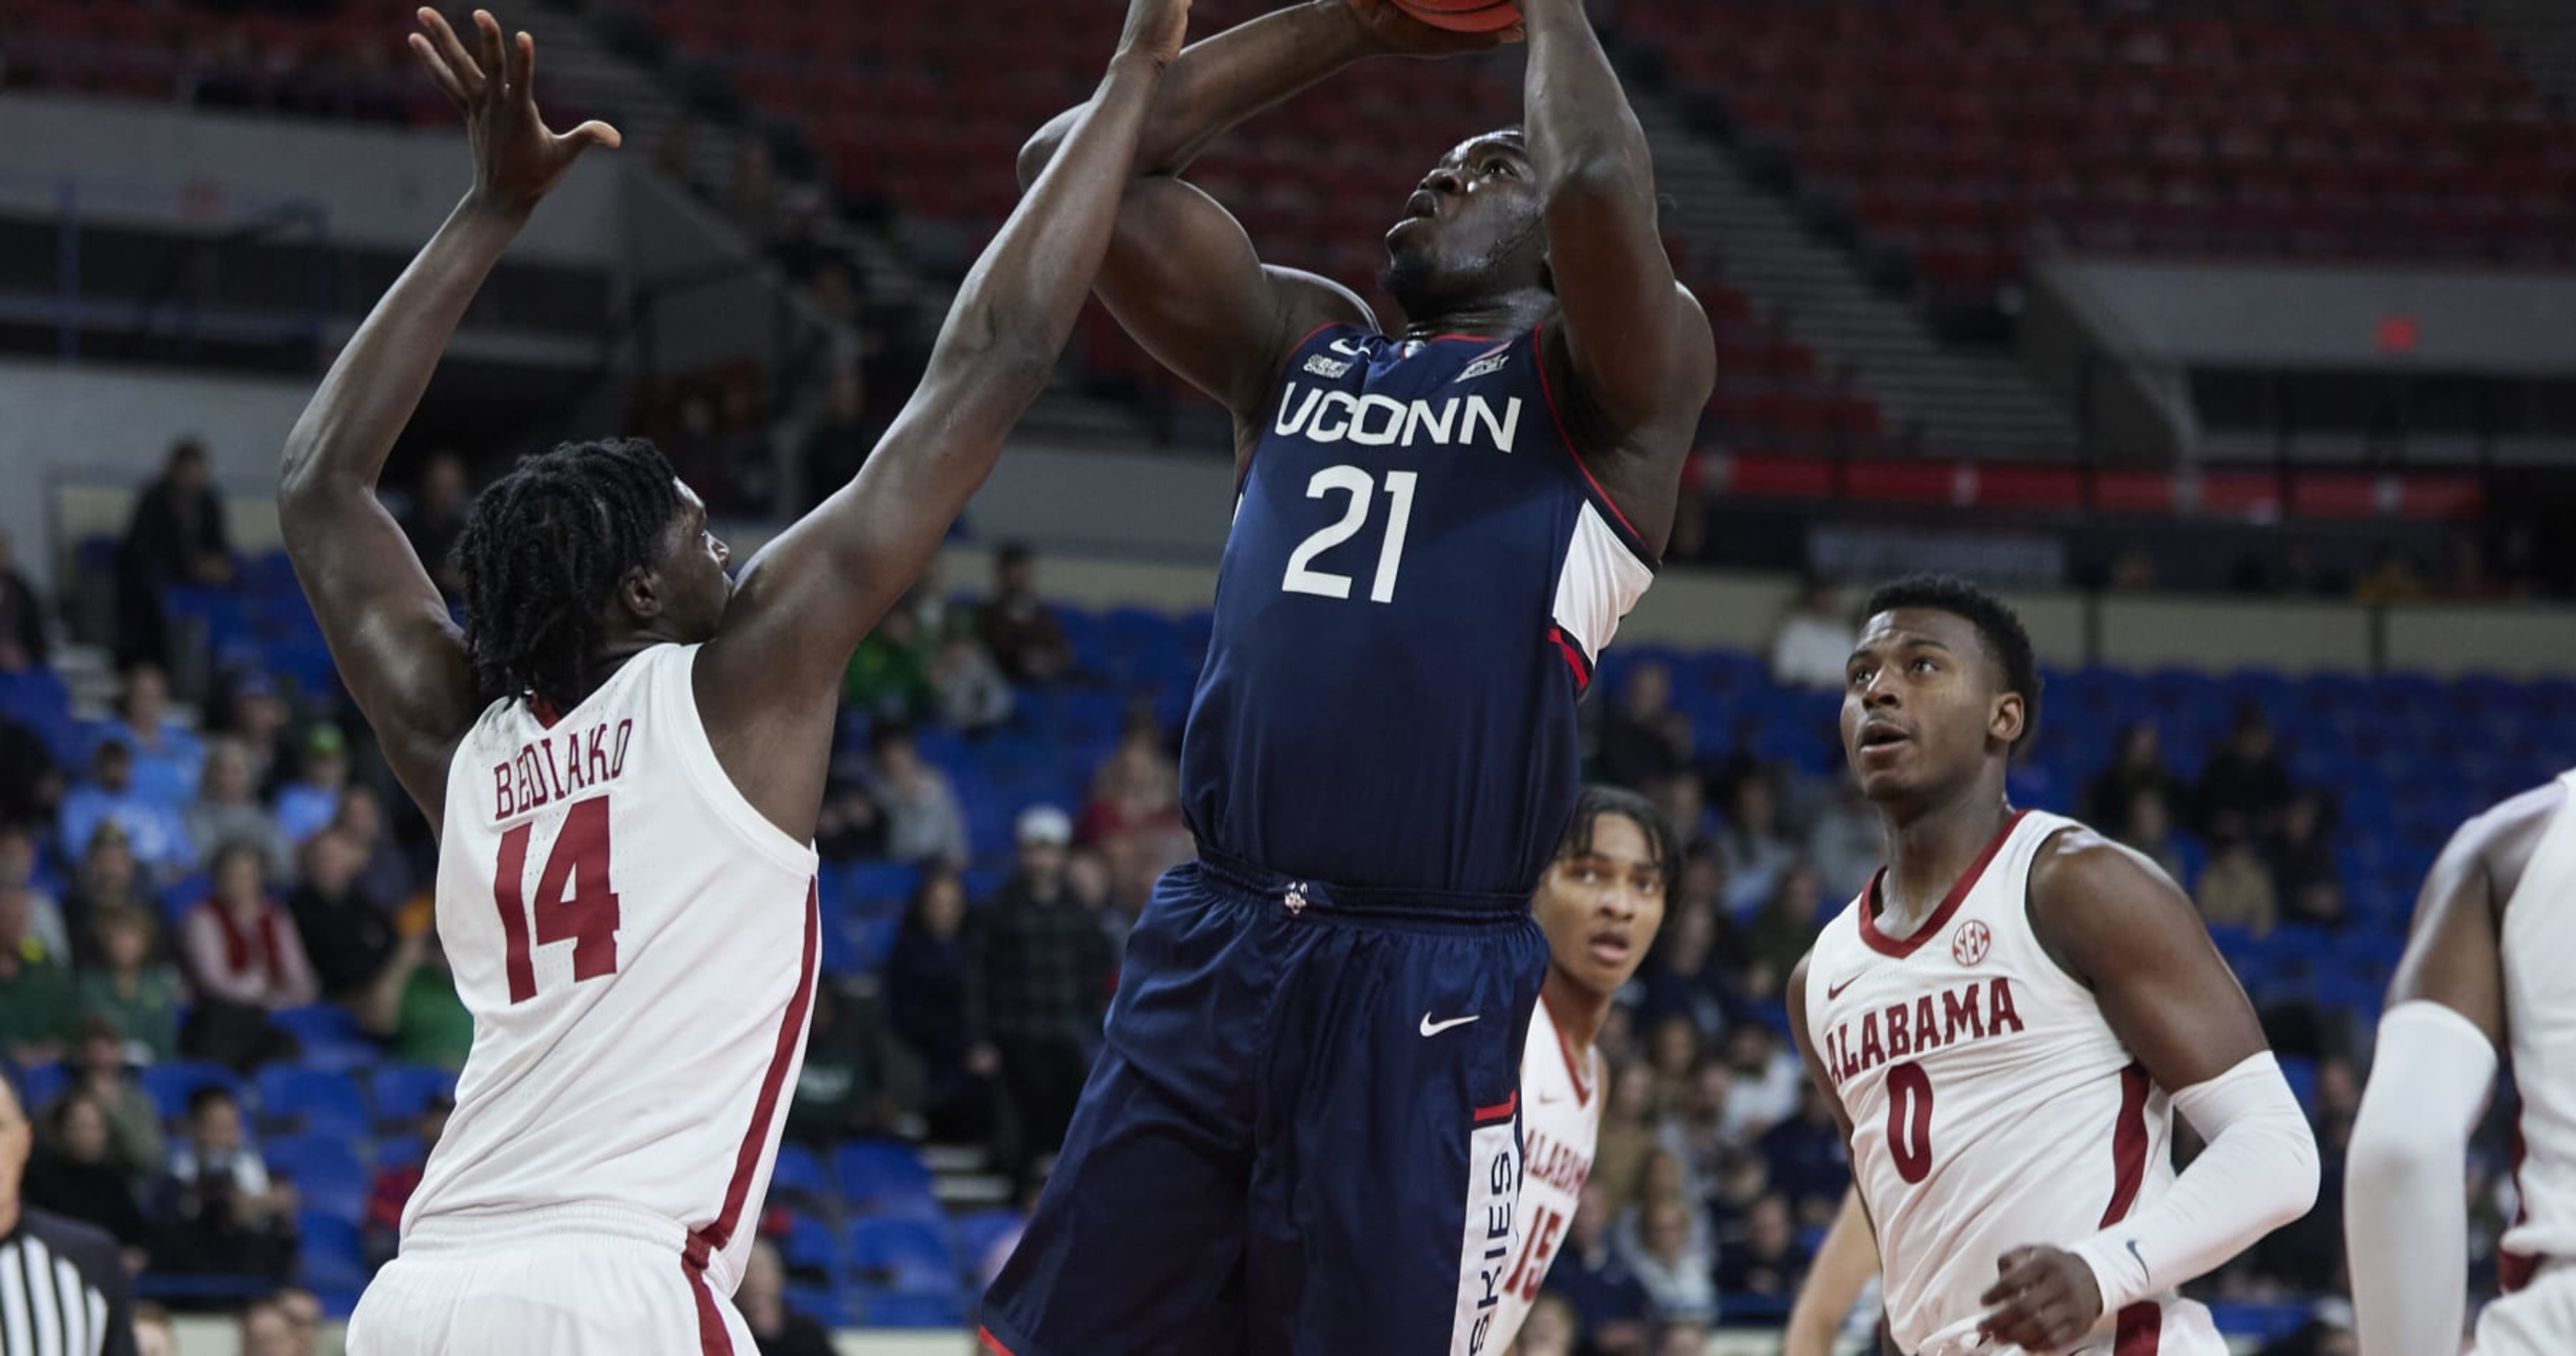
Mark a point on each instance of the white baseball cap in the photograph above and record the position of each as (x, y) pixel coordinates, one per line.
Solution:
(1045, 824)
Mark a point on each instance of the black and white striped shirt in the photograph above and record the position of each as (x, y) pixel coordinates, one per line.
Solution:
(63, 1290)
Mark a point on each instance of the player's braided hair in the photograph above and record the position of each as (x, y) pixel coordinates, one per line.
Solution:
(1998, 626)
(543, 551)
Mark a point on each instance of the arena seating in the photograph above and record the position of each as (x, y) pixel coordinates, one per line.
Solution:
(321, 58)
(868, 1239)
(2321, 130)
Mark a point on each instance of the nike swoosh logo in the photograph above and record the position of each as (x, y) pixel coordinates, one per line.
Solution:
(1837, 990)
(1432, 1028)
(2143, 1268)
(1549, 1099)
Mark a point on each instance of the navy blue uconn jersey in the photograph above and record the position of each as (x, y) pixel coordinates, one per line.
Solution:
(1420, 577)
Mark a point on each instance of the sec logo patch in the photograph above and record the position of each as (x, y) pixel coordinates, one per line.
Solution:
(1971, 942)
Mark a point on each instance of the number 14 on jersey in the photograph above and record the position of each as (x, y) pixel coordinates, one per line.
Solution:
(575, 901)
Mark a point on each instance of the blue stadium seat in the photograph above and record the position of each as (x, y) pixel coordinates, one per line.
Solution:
(799, 1173)
(400, 1151)
(2261, 1322)
(312, 1100)
(182, 894)
(2300, 1072)
(327, 1037)
(401, 1091)
(329, 1255)
(881, 887)
(40, 1084)
(877, 1170)
(903, 1254)
(170, 1085)
(903, 1310)
(326, 1171)
(810, 1249)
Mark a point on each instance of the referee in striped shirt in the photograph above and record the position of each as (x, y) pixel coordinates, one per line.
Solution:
(63, 1290)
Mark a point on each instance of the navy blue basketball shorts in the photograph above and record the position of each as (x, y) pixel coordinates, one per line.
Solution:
(1302, 1136)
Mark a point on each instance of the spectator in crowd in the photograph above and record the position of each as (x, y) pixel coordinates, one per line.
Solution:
(227, 808)
(244, 961)
(44, 912)
(1770, 1262)
(219, 1212)
(888, 679)
(1782, 931)
(152, 828)
(1136, 799)
(153, 1335)
(1023, 637)
(2302, 850)
(33, 788)
(2138, 767)
(1673, 1266)
(413, 1005)
(436, 519)
(103, 1075)
(267, 1331)
(384, 872)
(76, 1177)
(380, 1234)
(839, 440)
(303, 1311)
(973, 694)
(2149, 831)
(929, 981)
(1681, 1337)
(1673, 1048)
(2236, 888)
(849, 826)
(1630, 1124)
(1813, 641)
(1765, 1075)
(1594, 1275)
(1644, 740)
(257, 716)
(347, 934)
(1681, 977)
(1552, 1328)
(308, 804)
(857, 1078)
(167, 757)
(107, 879)
(924, 821)
(1042, 974)
(129, 986)
(1844, 843)
(1696, 1131)
(2393, 578)
(2244, 786)
(2317, 904)
(775, 1325)
(38, 1013)
(1756, 848)
(23, 642)
(1808, 1160)
(176, 537)
(49, 1264)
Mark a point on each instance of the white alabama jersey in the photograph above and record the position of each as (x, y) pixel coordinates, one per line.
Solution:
(2540, 1014)
(637, 945)
(1561, 1098)
(1991, 1105)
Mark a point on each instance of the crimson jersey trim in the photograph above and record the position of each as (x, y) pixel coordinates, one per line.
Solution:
(1950, 903)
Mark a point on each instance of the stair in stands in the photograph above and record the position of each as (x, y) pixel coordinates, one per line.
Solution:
(1947, 399)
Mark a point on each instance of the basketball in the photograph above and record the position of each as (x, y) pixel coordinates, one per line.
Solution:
(1463, 16)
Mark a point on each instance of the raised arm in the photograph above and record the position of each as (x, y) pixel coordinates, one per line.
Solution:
(2405, 1225)
(1182, 276)
(389, 630)
(1633, 338)
(2119, 925)
(768, 684)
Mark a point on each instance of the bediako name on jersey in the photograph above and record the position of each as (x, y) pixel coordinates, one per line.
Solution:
(1971, 1012)
(547, 769)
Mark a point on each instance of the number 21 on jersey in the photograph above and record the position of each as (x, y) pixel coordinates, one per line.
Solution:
(574, 901)
(1361, 487)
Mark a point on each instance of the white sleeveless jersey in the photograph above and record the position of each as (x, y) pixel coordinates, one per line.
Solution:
(1561, 1100)
(2540, 1016)
(1991, 1105)
(637, 945)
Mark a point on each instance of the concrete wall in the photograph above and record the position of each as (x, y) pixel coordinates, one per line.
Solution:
(2277, 317)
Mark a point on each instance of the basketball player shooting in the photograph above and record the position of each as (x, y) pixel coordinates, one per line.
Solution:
(1301, 1134)
(2007, 1018)
(638, 950)
(1603, 900)
(2487, 963)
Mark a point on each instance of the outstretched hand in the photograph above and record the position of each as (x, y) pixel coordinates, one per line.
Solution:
(1156, 28)
(2046, 1298)
(517, 159)
(1395, 32)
